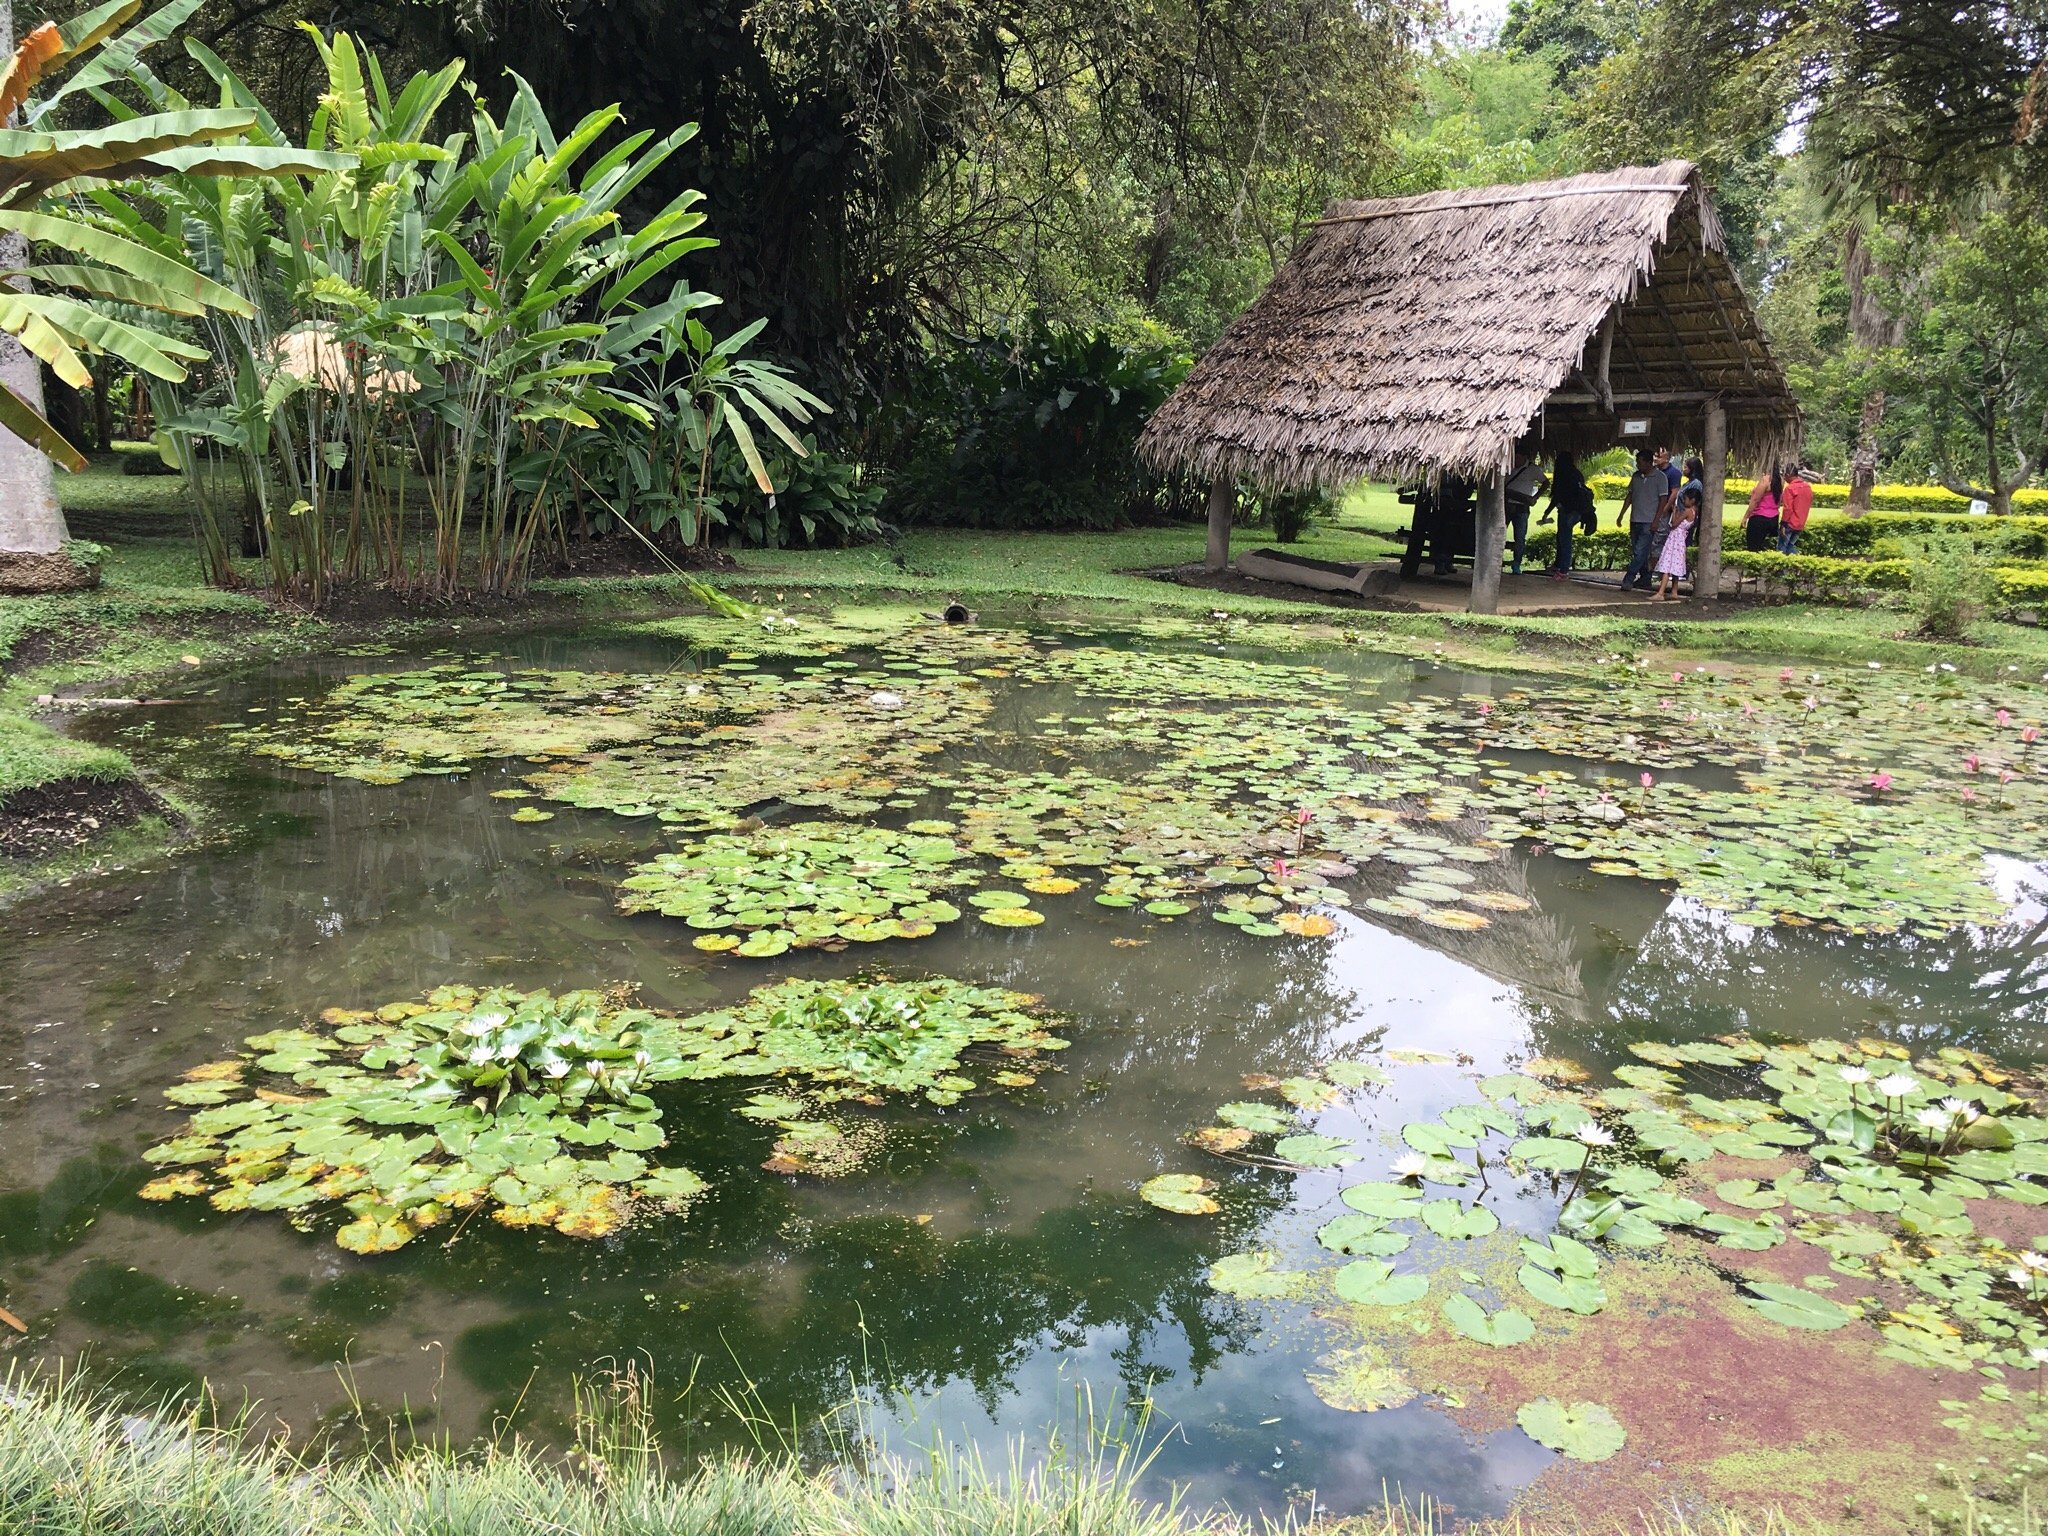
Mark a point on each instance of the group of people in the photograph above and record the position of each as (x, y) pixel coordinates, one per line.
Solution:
(1778, 510)
(1661, 506)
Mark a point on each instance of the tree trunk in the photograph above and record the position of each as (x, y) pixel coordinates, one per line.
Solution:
(32, 530)
(1489, 540)
(1222, 504)
(1863, 464)
(1706, 581)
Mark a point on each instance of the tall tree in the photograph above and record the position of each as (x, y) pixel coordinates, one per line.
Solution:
(1976, 351)
(882, 172)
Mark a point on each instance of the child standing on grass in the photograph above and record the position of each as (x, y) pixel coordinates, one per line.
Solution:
(1671, 562)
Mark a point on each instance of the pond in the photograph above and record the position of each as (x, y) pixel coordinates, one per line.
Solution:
(1482, 884)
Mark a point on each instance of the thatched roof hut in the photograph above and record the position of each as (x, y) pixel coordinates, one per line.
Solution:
(1459, 331)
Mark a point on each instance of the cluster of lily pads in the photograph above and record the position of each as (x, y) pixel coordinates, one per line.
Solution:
(1271, 792)
(541, 1109)
(807, 884)
(1894, 1179)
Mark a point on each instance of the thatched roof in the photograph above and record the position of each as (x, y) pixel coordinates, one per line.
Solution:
(1431, 333)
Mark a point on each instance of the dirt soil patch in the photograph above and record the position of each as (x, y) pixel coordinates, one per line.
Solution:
(36, 823)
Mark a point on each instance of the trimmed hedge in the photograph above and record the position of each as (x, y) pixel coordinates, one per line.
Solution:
(1820, 578)
(1883, 498)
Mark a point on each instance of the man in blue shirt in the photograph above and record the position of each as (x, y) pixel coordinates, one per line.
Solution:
(1649, 492)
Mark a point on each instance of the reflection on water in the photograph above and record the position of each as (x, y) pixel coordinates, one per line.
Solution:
(994, 1261)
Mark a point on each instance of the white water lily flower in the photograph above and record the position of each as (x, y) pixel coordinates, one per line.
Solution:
(2034, 1261)
(558, 1068)
(1931, 1119)
(1853, 1075)
(884, 699)
(2038, 1355)
(2019, 1276)
(1961, 1109)
(1410, 1165)
(1594, 1135)
(1896, 1086)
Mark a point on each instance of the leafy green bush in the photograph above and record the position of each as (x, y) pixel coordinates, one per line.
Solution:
(1818, 577)
(1036, 430)
(1606, 550)
(1950, 587)
(1289, 514)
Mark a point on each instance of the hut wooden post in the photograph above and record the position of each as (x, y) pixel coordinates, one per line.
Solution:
(1222, 504)
(1706, 581)
(1489, 541)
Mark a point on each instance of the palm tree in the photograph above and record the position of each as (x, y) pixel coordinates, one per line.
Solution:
(41, 321)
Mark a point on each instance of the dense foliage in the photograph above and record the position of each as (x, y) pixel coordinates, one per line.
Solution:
(1035, 429)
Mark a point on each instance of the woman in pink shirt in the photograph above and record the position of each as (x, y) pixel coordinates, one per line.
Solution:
(1794, 503)
(1760, 532)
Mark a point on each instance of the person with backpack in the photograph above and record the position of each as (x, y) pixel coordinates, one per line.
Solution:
(1571, 501)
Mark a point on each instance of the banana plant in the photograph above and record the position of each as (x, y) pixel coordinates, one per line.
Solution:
(55, 309)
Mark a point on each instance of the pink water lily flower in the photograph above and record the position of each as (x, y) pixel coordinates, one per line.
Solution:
(1972, 761)
(1304, 816)
(1969, 793)
(1880, 781)
(1810, 702)
(1678, 677)
(2004, 717)
(1279, 869)
(1485, 708)
(2005, 775)
(1542, 791)
(2028, 735)
(1647, 781)
(1785, 676)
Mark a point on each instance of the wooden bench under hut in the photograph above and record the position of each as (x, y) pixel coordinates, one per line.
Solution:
(1464, 332)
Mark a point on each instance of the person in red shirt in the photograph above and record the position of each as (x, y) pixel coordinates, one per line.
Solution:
(1793, 508)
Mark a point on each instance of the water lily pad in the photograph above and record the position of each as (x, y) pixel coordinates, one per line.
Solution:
(1797, 1308)
(1452, 1218)
(1253, 1275)
(1013, 917)
(1359, 1381)
(1580, 1431)
(1498, 1330)
(1314, 1151)
(1362, 1236)
(1373, 1283)
(1253, 1116)
(1220, 1139)
(1184, 1194)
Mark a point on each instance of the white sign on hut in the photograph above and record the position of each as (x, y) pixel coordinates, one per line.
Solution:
(1464, 332)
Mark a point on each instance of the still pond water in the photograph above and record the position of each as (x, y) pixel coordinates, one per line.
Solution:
(994, 1264)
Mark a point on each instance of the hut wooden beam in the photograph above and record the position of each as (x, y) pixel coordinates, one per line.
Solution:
(1489, 543)
(1222, 507)
(1706, 581)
